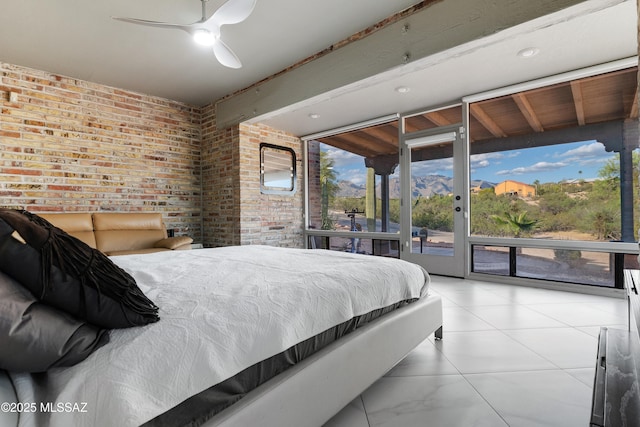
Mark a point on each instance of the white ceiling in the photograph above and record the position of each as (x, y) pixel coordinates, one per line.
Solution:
(578, 37)
(79, 39)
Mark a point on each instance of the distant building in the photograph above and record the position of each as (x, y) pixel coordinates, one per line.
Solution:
(515, 188)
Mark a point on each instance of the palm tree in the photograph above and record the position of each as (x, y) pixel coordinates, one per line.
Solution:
(329, 188)
(518, 223)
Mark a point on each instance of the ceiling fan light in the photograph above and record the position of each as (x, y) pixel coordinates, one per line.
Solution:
(204, 37)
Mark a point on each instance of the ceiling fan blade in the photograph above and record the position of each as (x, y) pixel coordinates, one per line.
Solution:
(232, 12)
(155, 24)
(225, 56)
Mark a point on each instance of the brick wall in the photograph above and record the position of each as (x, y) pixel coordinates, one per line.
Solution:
(220, 178)
(268, 219)
(72, 145)
(234, 211)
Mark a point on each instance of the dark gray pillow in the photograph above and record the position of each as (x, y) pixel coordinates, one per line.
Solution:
(36, 337)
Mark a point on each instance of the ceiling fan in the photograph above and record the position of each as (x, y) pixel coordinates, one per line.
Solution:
(206, 31)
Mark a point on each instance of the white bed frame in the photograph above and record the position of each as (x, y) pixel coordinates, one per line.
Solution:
(311, 392)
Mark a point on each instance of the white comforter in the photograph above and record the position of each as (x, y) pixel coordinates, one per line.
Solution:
(221, 311)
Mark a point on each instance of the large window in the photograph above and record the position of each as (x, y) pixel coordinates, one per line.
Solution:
(568, 191)
(559, 163)
(354, 187)
(553, 182)
(346, 195)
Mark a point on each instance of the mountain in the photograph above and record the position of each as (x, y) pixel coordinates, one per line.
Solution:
(424, 186)
(349, 189)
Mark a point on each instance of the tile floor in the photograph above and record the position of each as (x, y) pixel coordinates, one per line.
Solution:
(510, 356)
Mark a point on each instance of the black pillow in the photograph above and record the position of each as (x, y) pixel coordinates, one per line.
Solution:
(67, 274)
(36, 337)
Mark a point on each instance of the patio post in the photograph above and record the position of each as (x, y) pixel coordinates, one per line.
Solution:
(384, 166)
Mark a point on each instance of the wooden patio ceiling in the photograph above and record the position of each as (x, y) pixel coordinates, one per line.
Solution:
(597, 99)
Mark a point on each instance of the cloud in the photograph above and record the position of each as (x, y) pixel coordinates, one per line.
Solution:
(342, 158)
(480, 164)
(485, 156)
(355, 176)
(594, 149)
(535, 168)
(485, 160)
(592, 154)
(594, 162)
(432, 167)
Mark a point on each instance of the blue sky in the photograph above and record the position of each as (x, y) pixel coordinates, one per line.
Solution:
(578, 160)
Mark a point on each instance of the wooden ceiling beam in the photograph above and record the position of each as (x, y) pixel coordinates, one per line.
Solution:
(417, 123)
(486, 121)
(382, 139)
(528, 112)
(576, 90)
(342, 143)
(360, 142)
(362, 137)
(438, 119)
(385, 134)
(608, 133)
(611, 77)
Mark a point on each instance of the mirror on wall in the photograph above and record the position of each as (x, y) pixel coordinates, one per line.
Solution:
(277, 169)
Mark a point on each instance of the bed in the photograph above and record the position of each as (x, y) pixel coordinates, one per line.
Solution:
(225, 311)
